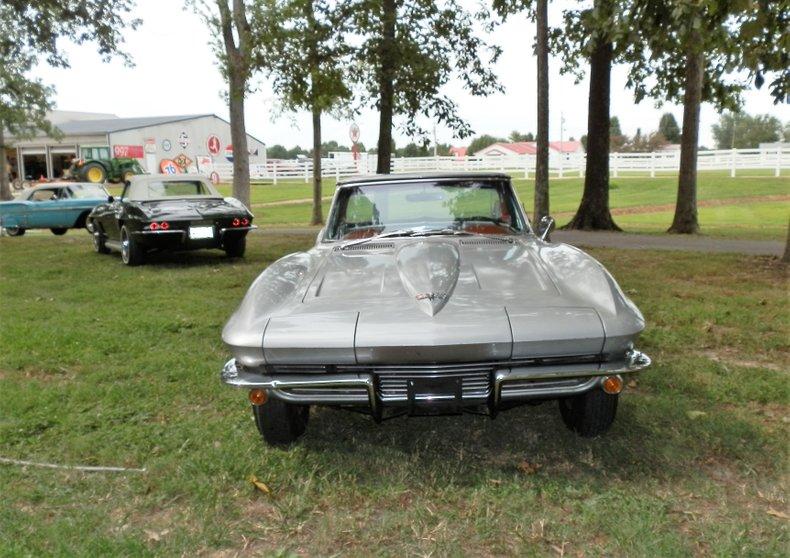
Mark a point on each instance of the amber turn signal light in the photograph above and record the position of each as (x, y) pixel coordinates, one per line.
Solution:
(612, 385)
(258, 396)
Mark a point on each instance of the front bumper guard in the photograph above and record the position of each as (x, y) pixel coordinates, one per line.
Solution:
(508, 384)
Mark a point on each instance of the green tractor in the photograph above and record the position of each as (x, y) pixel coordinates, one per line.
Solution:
(97, 166)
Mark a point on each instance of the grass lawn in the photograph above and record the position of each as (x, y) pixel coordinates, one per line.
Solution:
(107, 365)
(640, 204)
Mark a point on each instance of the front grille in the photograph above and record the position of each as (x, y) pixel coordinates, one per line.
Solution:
(393, 384)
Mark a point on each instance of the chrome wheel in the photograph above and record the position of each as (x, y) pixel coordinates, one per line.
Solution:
(124, 248)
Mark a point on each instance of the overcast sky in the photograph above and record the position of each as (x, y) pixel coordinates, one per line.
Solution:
(175, 73)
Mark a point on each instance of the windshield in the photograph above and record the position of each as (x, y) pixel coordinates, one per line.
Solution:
(473, 206)
(88, 191)
(162, 189)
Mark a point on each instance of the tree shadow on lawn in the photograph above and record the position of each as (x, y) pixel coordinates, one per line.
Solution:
(468, 449)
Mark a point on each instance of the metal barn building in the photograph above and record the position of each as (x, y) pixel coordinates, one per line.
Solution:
(194, 140)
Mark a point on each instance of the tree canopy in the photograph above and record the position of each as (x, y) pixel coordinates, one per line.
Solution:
(668, 127)
(34, 31)
(408, 52)
(749, 131)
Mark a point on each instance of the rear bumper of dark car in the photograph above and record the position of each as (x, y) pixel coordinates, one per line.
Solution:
(178, 239)
(494, 385)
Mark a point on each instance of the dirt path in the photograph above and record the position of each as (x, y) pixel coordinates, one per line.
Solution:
(288, 202)
(661, 208)
(625, 241)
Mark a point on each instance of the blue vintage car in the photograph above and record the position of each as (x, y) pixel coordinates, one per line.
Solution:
(57, 206)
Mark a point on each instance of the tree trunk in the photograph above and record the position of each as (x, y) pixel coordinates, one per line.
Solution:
(386, 86)
(318, 217)
(541, 200)
(238, 136)
(5, 185)
(593, 212)
(685, 221)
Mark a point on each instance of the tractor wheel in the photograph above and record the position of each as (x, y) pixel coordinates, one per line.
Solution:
(94, 172)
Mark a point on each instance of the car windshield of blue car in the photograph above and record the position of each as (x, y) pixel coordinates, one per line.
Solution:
(463, 206)
(86, 191)
(168, 189)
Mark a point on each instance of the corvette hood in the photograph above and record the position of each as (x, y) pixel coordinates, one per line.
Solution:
(448, 299)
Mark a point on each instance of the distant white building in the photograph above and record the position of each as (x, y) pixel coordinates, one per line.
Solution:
(151, 139)
(529, 148)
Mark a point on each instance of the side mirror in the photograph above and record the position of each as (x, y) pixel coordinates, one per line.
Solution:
(319, 235)
(110, 199)
(545, 227)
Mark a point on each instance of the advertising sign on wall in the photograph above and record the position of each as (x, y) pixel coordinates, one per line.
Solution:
(128, 151)
(183, 140)
(167, 166)
(213, 145)
(150, 145)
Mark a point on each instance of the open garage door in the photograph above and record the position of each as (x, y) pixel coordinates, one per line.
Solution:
(34, 165)
(61, 159)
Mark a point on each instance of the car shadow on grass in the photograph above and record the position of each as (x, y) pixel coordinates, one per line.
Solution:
(526, 440)
(464, 448)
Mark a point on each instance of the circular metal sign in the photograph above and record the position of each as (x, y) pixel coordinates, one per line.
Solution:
(213, 145)
(166, 145)
(353, 132)
(168, 166)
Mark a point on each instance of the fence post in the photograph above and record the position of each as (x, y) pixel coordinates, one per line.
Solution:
(562, 160)
(274, 172)
(778, 160)
(526, 167)
(652, 164)
(582, 162)
(613, 161)
(306, 180)
(337, 172)
(732, 163)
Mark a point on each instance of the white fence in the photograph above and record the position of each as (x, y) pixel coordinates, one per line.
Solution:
(734, 161)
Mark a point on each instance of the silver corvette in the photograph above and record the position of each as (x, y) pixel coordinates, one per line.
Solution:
(431, 294)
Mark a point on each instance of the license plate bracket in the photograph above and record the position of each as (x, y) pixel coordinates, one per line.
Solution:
(444, 393)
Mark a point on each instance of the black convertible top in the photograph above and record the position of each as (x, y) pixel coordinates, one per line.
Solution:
(408, 177)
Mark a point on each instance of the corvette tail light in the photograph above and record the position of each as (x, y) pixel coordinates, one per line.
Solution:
(164, 225)
(245, 221)
(154, 226)
(236, 222)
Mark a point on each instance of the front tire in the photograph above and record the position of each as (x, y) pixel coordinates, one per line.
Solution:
(235, 247)
(589, 414)
(131, 251)
(15, 231)
(280, 423)
(59, 231)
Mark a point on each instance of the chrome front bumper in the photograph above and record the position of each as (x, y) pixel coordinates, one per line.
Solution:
(491, 385)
